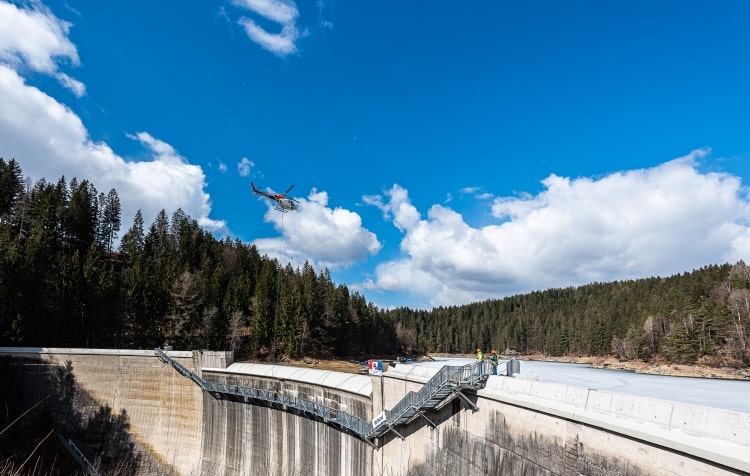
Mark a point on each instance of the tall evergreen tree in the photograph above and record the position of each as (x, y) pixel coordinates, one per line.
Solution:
(110, 218)
(80, 223)
(11, 186)
(264, 310)
(133, 242)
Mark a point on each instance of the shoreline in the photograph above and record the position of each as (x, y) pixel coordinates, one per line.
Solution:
(651, 368)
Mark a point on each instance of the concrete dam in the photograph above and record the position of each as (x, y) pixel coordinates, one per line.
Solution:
(200, 413)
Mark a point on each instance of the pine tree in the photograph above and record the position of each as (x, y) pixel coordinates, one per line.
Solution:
(109, 221)
(132, 243)
(680, 344)
(263, 310)
(11, 187)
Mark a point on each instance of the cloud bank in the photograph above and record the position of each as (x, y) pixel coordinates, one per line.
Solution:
(50, 141)
(626, 225)
(315, 233)
(34, 39)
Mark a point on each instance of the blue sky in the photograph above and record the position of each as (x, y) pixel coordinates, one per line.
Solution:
(442, 152)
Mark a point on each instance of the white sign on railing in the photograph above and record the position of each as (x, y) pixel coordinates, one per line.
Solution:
(378, 420)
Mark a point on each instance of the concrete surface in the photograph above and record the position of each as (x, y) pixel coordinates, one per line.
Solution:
(244, 439)
(520, 426)
(570, 430)
(162, 410)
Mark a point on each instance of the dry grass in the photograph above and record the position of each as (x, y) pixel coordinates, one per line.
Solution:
(335, 365)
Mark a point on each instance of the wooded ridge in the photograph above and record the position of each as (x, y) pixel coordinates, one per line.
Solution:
(62, 285)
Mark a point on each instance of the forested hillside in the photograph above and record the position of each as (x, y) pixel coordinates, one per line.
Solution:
(701, 315)
(171, 282)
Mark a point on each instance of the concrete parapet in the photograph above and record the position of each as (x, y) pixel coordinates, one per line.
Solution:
(702, 421)
(716, 435)
(214, 359)
(81, 351)
(352, 383)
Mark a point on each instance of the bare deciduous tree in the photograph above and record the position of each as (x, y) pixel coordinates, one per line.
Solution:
(739, 303)
(653, 332)
(237, 329)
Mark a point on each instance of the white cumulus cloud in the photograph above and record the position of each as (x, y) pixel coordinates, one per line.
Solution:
(50, 141)
(626, 225)
(35, 39)
(325, 237)
(277, 10)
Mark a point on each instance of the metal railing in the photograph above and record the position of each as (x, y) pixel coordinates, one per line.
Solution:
(78, 455)
(179, 367)
(328, 413)
(274, 397)
(449, 381)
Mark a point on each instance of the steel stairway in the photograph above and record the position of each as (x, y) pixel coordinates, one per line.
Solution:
(331, 415)
(449, 382)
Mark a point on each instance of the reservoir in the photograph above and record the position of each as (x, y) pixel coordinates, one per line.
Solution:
(715, 393)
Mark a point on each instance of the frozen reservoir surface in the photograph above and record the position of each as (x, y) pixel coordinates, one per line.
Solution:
(717, 393)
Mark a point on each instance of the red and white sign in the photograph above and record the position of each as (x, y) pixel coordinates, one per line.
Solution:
(375, 367)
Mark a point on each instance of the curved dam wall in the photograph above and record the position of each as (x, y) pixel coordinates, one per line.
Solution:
(240, 438)
(529, 427)
(513, 426)
(172, 426)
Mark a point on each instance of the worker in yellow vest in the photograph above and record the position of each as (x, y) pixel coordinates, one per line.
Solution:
(480, 357)
(495, 360)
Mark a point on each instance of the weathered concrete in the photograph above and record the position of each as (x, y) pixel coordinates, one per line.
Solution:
(158, 408)
(246, 439)
(527, 427)
(520, 427)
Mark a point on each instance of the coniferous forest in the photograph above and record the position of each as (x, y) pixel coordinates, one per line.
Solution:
(62, 284)
(170, 282)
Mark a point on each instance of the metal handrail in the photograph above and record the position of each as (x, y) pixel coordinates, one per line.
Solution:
(78, 455)
(329, 414)
(448, 380)
(179, 367)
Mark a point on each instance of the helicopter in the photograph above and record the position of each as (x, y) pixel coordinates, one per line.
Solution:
(283, 203)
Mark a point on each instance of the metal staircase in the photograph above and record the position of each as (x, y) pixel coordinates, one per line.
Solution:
(449, 382)
(331, 415)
